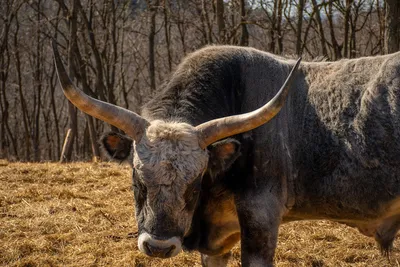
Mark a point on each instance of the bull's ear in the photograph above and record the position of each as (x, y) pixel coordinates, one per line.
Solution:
(222, 155)
(116, 146)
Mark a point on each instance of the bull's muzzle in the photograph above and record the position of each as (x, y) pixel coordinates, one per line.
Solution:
(160, 248)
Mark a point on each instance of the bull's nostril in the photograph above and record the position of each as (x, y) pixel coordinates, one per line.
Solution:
(170, 251)
(161, 248)
(156, 251)
(147, 248)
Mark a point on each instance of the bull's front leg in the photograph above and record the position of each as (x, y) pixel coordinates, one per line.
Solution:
(220, 241)
(259, 218)
(215, 261)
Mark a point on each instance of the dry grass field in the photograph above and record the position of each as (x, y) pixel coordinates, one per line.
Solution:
(82, 214)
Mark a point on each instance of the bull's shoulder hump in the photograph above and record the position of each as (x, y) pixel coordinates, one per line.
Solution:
(217, 52)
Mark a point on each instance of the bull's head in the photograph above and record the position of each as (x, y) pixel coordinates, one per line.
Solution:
(169, 160)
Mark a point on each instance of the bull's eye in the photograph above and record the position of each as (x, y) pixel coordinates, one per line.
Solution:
(196, 186)
(192, 194)
(139, 190)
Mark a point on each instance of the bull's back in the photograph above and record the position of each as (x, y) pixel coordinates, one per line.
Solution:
(350, 147)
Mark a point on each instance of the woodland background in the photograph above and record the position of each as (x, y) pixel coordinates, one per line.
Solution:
(121, 51)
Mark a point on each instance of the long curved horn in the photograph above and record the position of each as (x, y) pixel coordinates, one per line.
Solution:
(130, 122)
(218, 129)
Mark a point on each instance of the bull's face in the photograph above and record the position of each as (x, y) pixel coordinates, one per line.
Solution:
(169, 159)
(168, 166)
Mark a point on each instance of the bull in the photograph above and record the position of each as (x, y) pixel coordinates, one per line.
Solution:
(209, 171)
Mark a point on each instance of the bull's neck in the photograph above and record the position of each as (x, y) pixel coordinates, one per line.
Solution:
(213, 91)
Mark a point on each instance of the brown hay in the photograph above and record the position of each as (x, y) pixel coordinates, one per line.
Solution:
(82, 214)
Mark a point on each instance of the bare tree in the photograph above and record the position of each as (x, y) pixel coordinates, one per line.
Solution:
(152, 6)
(244, 37)
(347, 14)
(206, 18)
(220, 20)
(300, 8)
(24, 107)
(337, 49)
(392, 26)
(6, 134)
(167, 32)
(72, 132)
(37, 84)
(320, 27)
(115, 53)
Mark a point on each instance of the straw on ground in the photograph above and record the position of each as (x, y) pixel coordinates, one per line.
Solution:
(82, 214)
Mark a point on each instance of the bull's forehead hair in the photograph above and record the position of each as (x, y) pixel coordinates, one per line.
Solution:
(170, 151)
(173, 131)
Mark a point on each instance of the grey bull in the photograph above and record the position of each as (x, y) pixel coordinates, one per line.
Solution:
(205, 178)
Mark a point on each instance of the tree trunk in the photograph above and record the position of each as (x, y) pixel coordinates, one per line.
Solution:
(300, 18)
(273, 27)
(66, 154)
(381, 41)
(5, 58)
(392, 26)
(93, 139)
(206, 18)
(337, 50)
(167, 32)
(244, 37)
(152, 5)
(347, 27)
(55, 117)
(220, 20)
(38, 87)
(320, 28)
(24, 108)
(279, 27)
